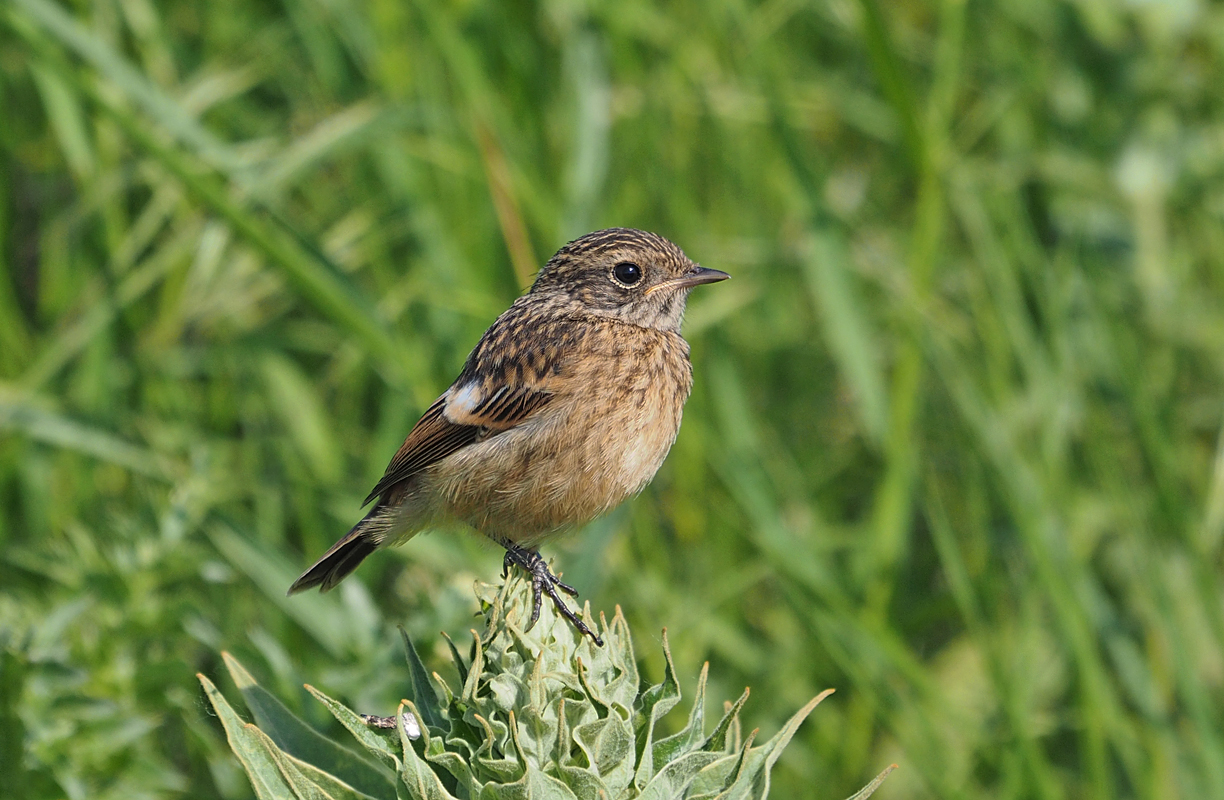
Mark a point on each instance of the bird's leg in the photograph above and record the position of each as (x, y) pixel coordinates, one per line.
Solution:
(544, 582)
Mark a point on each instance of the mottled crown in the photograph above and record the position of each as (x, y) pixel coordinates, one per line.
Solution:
(574, 263)
(583, 277)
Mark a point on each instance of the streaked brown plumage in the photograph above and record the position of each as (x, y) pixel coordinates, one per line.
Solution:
(567, 405)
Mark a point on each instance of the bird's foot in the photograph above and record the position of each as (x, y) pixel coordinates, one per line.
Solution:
(544, 582)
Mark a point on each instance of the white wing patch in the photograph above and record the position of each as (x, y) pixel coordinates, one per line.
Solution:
(463, 401)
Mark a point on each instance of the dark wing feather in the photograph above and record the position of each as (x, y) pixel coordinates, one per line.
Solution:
(513, 372)
(435, 437)
(502, 408)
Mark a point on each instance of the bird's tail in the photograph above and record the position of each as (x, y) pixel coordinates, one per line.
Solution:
(343, 557)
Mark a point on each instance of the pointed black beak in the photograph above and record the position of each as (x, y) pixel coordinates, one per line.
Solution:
(699, 276)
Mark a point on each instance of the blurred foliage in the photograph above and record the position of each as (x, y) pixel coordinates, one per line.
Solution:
(954, 446)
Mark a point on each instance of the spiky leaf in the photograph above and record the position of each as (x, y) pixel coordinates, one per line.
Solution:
(539, 714)
(303, 742)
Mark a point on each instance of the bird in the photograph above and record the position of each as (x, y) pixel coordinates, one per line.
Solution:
(567, 406)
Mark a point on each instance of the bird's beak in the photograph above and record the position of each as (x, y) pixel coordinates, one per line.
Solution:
(697, 277)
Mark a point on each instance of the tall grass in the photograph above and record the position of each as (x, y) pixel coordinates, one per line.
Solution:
(955, 445)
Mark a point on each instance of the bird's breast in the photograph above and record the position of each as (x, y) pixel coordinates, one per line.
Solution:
(602, 438)
(629, 413)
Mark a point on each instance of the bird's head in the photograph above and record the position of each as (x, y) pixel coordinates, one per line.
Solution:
(628, 274)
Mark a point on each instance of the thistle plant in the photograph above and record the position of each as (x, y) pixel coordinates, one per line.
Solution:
(539, 714)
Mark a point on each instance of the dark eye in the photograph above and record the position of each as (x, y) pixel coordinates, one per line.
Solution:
(627, 273)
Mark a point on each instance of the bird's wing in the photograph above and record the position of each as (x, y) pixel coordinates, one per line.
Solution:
(517, 367)
(471, 409)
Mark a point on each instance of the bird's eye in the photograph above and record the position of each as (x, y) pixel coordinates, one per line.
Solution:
(627, 273)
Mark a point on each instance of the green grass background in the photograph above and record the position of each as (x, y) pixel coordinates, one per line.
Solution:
(954, 446)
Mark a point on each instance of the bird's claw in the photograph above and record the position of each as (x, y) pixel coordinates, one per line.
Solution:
(544, 582)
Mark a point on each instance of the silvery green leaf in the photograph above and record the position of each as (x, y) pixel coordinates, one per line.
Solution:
(534, 785)
(731, 769)
(582, 780)
(458, 767)
(608, 745)
(673, 780)
(583, 783)
(502, 768)
(422, 690)
(691, 735)
(653, 705)
(307, 782)
(460, 666)
(537, 732)
(507, 691)
(541, 715)
(499, 770)
(265, 778)
(333, 786)
(753, 779)
(713, 779)
(369, 738)
(593, 695)
(301, 788)
(303, 742)
(876, 783)
(421, 781)
(721, 738)
(471, 686)
(622, 689)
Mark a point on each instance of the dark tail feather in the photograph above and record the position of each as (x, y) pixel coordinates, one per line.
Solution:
(339, 561)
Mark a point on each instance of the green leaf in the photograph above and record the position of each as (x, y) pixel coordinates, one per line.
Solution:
(655, 703)
(608, 745)
(876, 783)
(674, 779)
(137, 283)
(102, 56)
(714, 778)
(303, 742)
(342, 130)
(693, 732)
(265, 777)
(720, 740)
(460, 666)
(369, 738)
(314, 278)
(727, 770)
(753, 780)
(423, 695)
(306, 781)
(534, 785)
(14, 668)
(421, 781)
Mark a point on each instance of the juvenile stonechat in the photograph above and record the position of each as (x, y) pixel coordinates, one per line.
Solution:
(567, 406)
